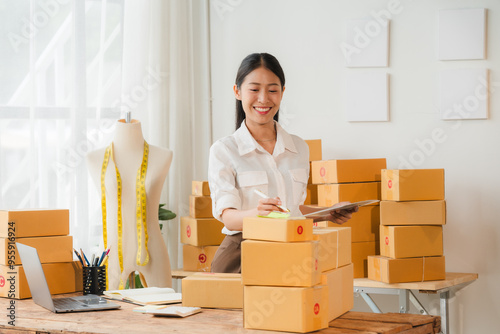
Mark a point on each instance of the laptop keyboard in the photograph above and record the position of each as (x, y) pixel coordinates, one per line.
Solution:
(68, 303)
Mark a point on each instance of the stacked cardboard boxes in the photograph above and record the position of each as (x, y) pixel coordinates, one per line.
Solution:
(200, 231)
(315, 154)
(287, 271)
(412, 215)
(213, 290)
(47, 231)
(353, 180)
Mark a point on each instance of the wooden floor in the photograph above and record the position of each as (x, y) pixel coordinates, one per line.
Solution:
(31, 318)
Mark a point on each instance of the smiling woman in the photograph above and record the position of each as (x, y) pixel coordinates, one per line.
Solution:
(260, 155)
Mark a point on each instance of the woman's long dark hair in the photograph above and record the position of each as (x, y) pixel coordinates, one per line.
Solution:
(250, 63)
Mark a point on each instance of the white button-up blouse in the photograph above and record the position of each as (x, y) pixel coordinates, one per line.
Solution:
(238, 165)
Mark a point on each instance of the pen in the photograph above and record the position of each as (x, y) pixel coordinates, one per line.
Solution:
(92, 261)
(86, 260)
(79, 257)
(104, 261)
(261, 194)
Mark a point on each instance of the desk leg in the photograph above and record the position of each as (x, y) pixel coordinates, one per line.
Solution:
(404, 300)
(417, 304)
(370, 302)
(444, 312)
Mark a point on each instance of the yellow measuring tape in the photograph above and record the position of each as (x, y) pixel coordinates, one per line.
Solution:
(141, 218)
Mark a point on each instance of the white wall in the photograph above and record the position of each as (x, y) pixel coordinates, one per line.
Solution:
(305, 37)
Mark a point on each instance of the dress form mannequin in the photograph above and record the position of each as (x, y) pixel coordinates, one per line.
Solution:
(128, 148)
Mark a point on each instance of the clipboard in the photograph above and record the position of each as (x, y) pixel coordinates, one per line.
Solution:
(343, 207)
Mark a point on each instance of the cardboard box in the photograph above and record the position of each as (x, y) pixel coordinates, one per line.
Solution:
(201, 231)
(399, 242)
(198, 258)
(364, 224)
(331, 194)
(334, 246)
(289, 309)
(200, 206)
(200, 188)
(312, 194)
(212, 290)
(347, 170)
(340, 290)
(360, 253)
(280, 263)
(61, 277)
(274, 229)
(50, 249)
(413, 213)
(315, 151)
(417, 269)
(33, 223)
(412, 184)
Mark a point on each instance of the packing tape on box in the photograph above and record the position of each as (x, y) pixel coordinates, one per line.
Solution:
(141, 219)
(423, 268)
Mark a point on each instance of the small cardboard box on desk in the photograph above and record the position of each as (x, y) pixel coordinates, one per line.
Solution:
(46, 230)
(213, 290)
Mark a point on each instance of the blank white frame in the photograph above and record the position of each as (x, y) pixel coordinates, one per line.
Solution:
(367, 96)
(366, 43)
(464, 94)
(462, 34)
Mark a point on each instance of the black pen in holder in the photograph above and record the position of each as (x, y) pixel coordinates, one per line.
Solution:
(94, 280)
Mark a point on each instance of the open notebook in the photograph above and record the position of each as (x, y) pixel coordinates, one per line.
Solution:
(145, 296)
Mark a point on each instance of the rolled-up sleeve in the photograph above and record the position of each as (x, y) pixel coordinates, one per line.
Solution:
(222, 180)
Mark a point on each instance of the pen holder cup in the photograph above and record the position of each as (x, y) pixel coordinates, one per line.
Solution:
(94, 280)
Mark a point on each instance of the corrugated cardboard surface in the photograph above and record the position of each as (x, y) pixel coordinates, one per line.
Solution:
(347, 170)
(200, 188)
(340, 290)
(289, 309)
(360, 253)
(411, 241)
(416, 269)
(273, 229)
(213, 290)
(413, 213)
(334, 246)
(315, 151)
(412, 184)
(280, 263)
(330, 194)
(61, 277)
(34, 223)
(200, 206)
(201, 231)
(198, 258)
(50, 249)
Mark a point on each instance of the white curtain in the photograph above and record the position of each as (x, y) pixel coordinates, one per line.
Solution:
(70, 69)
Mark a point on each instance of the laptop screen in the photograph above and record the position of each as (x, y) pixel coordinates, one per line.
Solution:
(36, 278)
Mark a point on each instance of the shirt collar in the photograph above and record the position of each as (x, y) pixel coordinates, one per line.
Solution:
(246, 143)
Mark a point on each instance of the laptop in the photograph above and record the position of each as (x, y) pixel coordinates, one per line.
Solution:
(41, 293)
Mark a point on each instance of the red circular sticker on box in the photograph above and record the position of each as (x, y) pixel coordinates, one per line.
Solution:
(389, 184)
(316, 308)
(188, 231)
(387, 240)
(300, 229)
(316, 264)
(322, 171)
(2, 281)
(202, 258)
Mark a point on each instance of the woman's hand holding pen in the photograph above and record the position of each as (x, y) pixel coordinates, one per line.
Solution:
(268, 205)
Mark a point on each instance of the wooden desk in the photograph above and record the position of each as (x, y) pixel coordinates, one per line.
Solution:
(445, 288)
(31, 318)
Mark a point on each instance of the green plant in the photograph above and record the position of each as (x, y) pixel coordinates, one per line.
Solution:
(164, 214)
